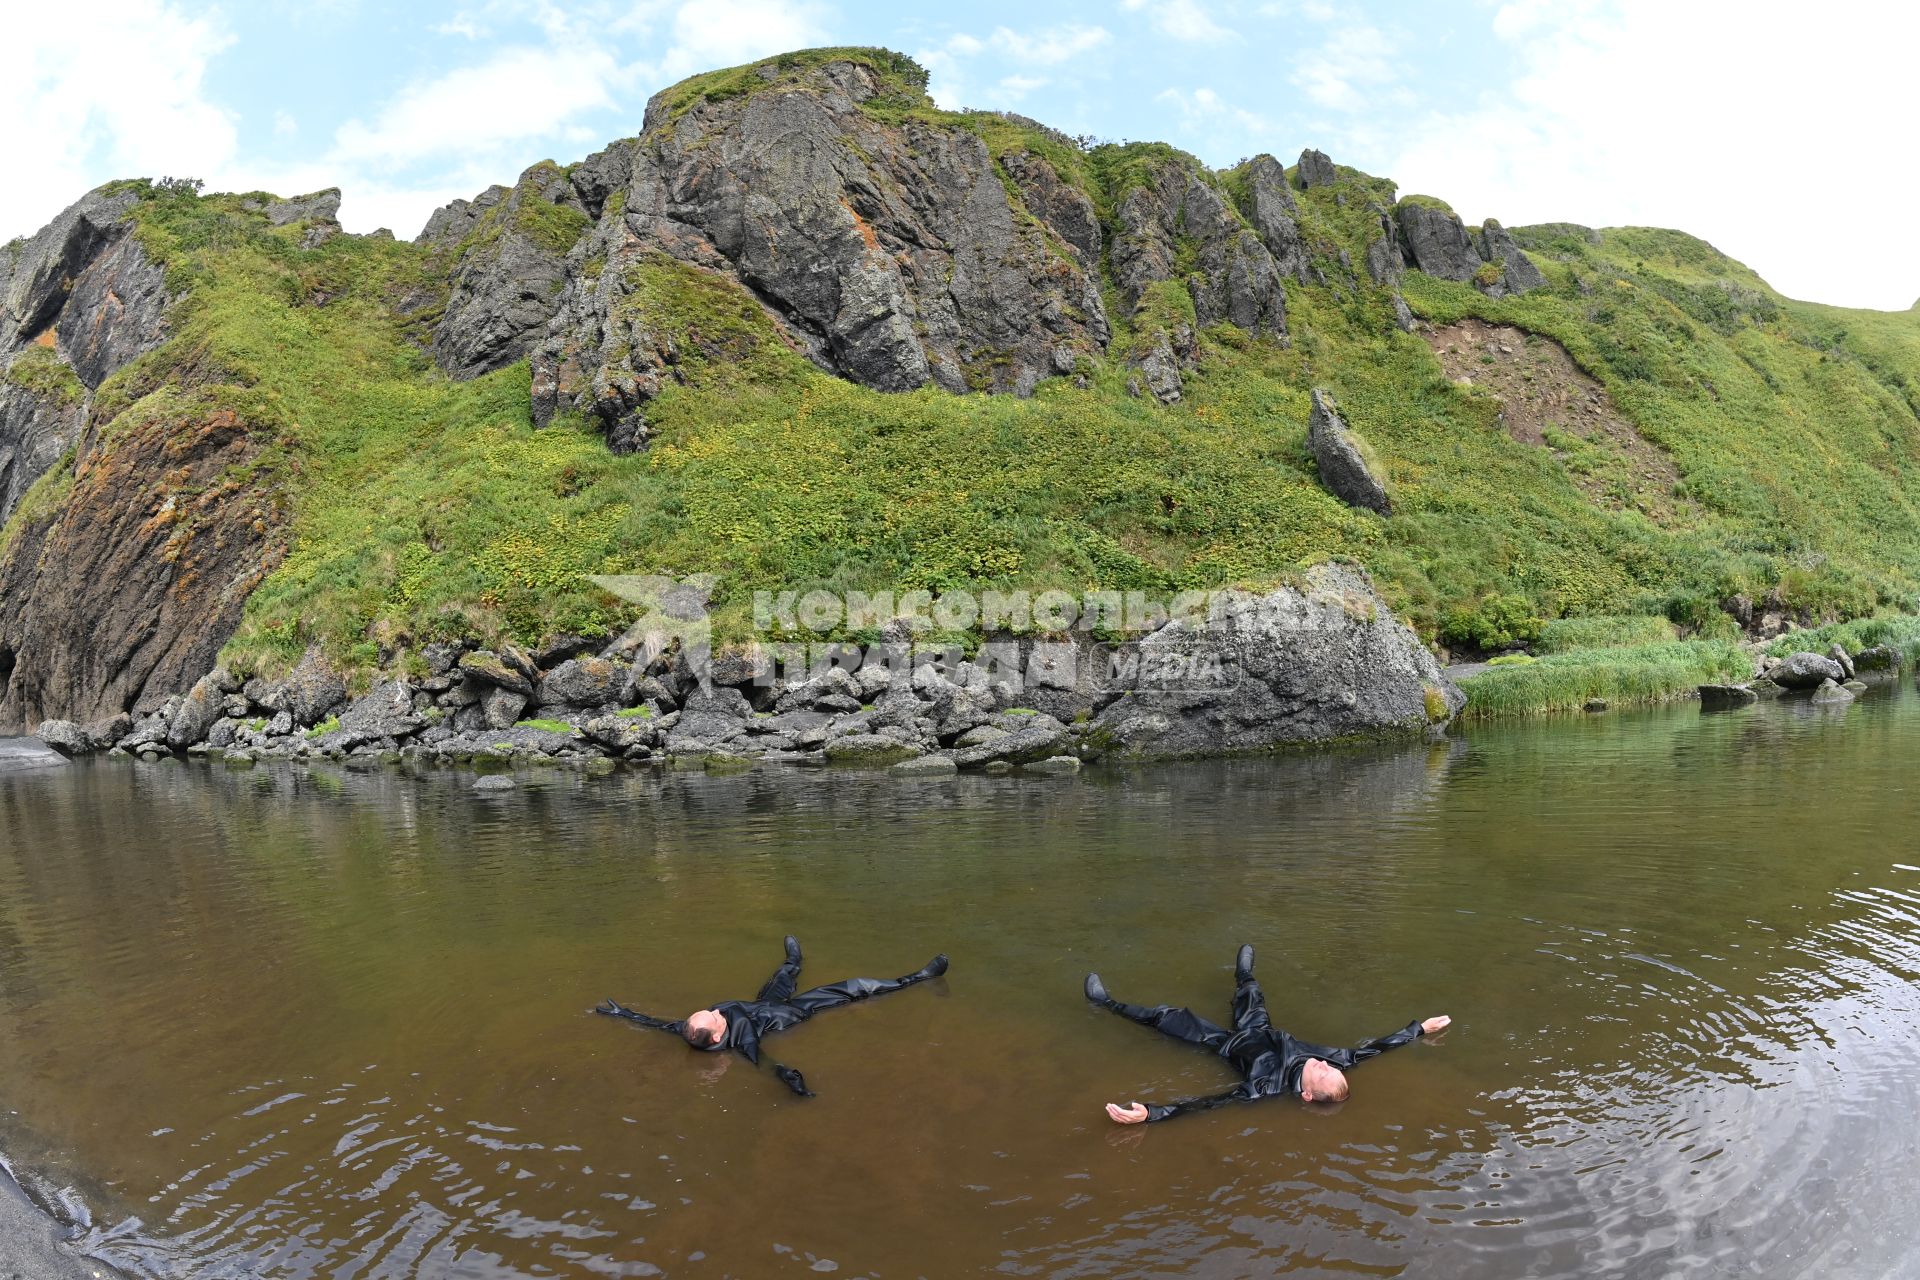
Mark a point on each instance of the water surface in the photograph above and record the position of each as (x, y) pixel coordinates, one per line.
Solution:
(333, 1024)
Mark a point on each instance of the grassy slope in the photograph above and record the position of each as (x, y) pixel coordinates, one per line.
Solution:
(424, 507)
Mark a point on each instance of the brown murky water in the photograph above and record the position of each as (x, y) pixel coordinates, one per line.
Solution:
(274, 1023)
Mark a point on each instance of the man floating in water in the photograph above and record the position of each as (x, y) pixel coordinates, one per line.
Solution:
(739, 1024)
(1273, 1063)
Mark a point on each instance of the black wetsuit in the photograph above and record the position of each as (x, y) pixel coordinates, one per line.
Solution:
(1270, 1060)
(779, 1007)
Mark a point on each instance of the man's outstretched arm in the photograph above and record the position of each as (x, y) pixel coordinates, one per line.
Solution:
(1406, 1035)
(613, 1009)
(792, 1078)
(1143, 1112)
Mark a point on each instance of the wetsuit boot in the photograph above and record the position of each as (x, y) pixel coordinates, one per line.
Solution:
(1097, 993)
(1243, 965)
(935, 967)
(793, 951)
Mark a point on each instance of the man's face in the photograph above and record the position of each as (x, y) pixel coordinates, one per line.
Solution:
(1322, 1082)
(706, 1029)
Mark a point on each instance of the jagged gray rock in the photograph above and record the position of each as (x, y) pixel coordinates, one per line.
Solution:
(1343, 466)
(1315, 170)
(1829, 692)
(583, 682)
(312, 689)
(1323, 661)
(1441, 246)
(1437, 242)
(1385, 263)
(199, 709)
(510, 253)
(36, 430)
(84, 291)
(1275, 216)
(1171, 351)
(64, 736)
(1022, 746)
(501, 707)
(891, 255)
(1518, 274)
(1234, 278)
(1063, 207)
(318, 206)
(386, 712)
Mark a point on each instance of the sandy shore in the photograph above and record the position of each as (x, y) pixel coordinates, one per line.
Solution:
(32, 1245)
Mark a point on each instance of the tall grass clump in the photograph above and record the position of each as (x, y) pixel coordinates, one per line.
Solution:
(1566, 635)
(1567, 681)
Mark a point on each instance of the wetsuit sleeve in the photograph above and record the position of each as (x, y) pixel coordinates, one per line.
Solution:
(615, 1010)
(791, 1078)
(1380, 1044)
(1158, 1111)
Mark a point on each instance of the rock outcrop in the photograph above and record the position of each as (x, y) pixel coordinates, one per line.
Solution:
(1275, 216)
(78, 301)
(891, 253)
(508, 248)
(1518, 272)
(1343, 464)
(1315, 170)
(125, 593)
(1181, 214)
(40, 419)
(1437, 243)
(1178, 229)
(1324, 661)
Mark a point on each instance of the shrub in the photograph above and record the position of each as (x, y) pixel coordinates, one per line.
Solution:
(1496, 622)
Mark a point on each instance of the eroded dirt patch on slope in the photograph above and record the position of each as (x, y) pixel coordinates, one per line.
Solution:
(1547, 401)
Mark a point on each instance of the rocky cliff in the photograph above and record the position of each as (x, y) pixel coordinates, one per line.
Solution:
(78, 301)
(806, 328)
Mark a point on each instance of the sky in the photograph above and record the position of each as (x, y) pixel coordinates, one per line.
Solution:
(1773, 130)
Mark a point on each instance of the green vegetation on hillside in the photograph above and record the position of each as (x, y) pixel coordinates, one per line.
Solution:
(423, 507)
(41, 370)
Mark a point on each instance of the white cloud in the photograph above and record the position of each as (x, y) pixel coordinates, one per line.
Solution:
(517, 94)
(1346, 72)
(725, 33)
(461, 26)
(1013, 88)
(1204, 109)
(947, 68)
(1773, 135)
(1182, 19)
(69, 126)
(1051, 46)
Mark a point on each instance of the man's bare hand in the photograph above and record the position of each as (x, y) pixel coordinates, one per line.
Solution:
(1135, 1114)
(1440, 1023)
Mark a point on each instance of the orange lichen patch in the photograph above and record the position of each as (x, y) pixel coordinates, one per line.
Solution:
(45, 339)
(1548, 401)
(866, 232)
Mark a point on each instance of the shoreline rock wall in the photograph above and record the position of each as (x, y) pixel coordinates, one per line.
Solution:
(1322, 662)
